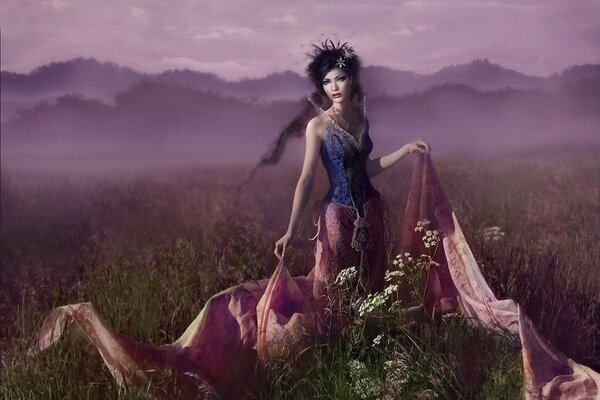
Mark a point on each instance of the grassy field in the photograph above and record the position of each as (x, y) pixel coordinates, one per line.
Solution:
(175, 237)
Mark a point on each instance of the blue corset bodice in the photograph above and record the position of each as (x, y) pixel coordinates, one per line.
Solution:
(345, 160)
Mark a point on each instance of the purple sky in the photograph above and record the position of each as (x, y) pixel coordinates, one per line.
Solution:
(252, 38)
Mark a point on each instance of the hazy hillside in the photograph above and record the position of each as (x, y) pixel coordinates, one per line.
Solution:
(148, 118)
(157, 118)
(94, 79)
(460, 118)
(84, 76)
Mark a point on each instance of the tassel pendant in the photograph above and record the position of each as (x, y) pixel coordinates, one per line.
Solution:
(361, 236)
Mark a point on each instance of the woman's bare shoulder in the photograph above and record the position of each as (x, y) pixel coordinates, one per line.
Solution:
(315, 127)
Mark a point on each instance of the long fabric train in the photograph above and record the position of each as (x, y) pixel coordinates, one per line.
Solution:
(265, 320)
(458, 285)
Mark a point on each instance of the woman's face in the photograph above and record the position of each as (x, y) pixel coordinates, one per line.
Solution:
(337, 85)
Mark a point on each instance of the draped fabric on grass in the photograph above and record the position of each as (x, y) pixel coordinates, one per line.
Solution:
(270, 319)
(219, 353)
(458, 285)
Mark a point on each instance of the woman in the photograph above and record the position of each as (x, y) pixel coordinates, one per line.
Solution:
(269, 319)
(350, 218)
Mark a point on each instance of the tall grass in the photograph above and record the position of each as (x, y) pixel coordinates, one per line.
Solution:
(149, 249)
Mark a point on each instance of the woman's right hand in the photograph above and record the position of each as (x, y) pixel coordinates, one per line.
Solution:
(282, 244)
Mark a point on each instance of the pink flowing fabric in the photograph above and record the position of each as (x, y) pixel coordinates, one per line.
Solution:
(458, 285)
(219, 353)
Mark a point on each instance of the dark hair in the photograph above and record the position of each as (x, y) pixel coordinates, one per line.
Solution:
(324, 58)
(329, 56)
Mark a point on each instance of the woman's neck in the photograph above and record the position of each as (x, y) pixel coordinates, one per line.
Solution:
(344, 114)
(343, 108)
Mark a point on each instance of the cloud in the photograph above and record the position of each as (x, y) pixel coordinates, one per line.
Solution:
(139, 13)
(59, 5)
(412, 30)
(209, 35)
(227, 69)
(234, 30)
(286, 19)
(402, 32)
(219, 32)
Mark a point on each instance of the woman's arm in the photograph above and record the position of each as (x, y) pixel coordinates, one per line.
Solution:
(377, 165)
(305, 183)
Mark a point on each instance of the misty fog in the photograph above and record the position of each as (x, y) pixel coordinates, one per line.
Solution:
(108, 117)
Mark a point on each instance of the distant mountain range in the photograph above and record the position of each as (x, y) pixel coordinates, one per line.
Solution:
(83, 107)
(94, 79)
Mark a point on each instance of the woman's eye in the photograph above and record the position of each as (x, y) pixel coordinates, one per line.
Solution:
(325, 82)
(342, 79)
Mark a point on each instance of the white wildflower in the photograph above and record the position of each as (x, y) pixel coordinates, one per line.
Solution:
(373, 302)
(400, 260)
(422, 224)
(390, 275)
(397, 374)
(493, 233)
(364, 385)
(397, 369)
(388, 291)
(377, 340)
(345, 277)
(431, 238)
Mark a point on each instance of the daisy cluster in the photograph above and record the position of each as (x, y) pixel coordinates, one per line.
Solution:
(364, 384)
(493, 233)
(431, 237)
(391, 275)
(376, 301)
(346, 277)
(402, 260)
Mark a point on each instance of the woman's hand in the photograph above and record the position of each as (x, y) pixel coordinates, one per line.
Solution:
(374, 167)
(418, 146)
(282, 244)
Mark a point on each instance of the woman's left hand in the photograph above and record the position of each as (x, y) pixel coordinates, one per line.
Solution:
(419, 146)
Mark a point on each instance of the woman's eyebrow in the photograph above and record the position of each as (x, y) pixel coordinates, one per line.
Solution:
(337, 76)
